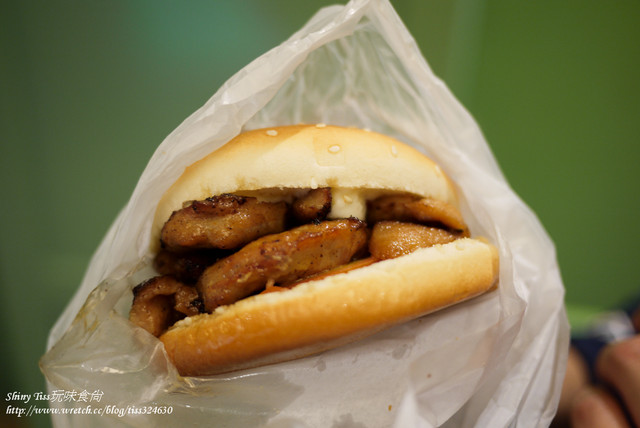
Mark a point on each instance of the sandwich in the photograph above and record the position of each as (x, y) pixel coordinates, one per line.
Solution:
(292, 240)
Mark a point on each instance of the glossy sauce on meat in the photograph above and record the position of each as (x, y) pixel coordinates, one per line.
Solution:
(282, 258)
(390, 239)
(161, 301)
(408, 208)
(232, 247)
(313, 206)
(224, 222)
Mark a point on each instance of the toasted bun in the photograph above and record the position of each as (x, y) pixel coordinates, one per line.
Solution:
(306, 157)
(323, 314)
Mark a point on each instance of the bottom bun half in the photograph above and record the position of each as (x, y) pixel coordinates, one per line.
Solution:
(320, 315)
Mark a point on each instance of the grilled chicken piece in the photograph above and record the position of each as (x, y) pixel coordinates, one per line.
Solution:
(224, 221)
(313, 206)
(161, 301)
(414, 209)
(390, 239)
(282, 258)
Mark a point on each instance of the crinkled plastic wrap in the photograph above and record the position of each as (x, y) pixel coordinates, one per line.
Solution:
(497, 360)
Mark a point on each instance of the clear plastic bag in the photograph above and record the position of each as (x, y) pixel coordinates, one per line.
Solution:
(497, 360)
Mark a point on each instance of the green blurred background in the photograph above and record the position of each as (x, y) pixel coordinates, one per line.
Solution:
(90, 88)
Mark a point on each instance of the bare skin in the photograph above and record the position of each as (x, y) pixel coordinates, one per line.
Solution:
(585, 405)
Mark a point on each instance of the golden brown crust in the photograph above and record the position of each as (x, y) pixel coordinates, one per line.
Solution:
(320, 315)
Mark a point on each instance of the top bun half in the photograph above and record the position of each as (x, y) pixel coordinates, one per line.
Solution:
(306, 157)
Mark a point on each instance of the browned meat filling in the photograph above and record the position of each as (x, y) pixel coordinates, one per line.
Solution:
(224, 221)
(390, 239)
(186, 266)
(161, 301)
(313, 206)
(356, 264)
(414, 209)
(228, 247)
(282, 258)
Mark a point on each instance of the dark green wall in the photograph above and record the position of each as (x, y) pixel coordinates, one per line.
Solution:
(89, 88)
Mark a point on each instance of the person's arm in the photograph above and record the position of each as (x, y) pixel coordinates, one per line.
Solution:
(615, 400)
